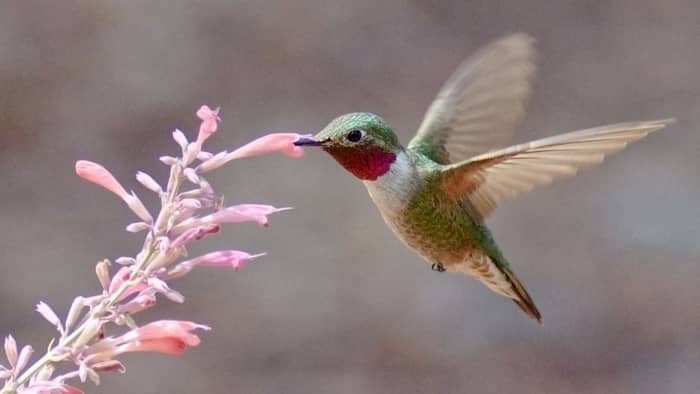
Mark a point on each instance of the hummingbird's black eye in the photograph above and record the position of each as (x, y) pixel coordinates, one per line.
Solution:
(354, 135)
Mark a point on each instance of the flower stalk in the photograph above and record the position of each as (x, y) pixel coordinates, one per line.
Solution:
(82, 348)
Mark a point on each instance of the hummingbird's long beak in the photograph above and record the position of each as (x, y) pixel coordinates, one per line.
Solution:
(308, 141)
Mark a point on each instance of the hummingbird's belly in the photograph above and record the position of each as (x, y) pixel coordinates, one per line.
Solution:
(447, 244)
(421, 215)
(439, 231)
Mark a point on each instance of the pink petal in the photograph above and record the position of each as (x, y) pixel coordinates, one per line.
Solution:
(109, 366)
(23, 357)
(168, 345)
(102, 272)
(136, 206)
(234, 258)
(95, 173)
(166, 329)
(11, 350)
(245, 213)
(210, 122)
(195, 233)
(148, 182)
(45, 310)
(165, 336)
(180, 138)
(141, 302)
(269, 143)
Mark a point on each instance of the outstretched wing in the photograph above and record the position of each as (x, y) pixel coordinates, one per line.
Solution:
(484, 181)
(480, 104)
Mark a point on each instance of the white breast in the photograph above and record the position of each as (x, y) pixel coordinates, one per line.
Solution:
(390, 192)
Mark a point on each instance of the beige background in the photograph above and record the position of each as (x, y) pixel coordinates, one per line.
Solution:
(339, 306)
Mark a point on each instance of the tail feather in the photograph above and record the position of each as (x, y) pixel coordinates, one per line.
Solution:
(523, 300)
(499, 278)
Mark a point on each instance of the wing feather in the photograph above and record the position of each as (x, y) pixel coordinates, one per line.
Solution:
(480, 104)
(485, 180)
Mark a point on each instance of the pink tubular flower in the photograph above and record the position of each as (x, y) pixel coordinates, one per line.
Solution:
(269, 143)
(233, 258)
(210, 122)
(245, 213)
(95, 173)
(178, 329)
(164, 336)
(167, 345)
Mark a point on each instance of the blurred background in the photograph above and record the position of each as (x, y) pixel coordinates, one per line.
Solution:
(611, 257)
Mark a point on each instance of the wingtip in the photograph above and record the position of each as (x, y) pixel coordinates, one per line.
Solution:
(656, 125)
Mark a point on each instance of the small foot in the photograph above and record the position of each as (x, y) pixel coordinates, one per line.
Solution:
(438, 267)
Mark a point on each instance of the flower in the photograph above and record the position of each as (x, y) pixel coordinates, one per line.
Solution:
(234, 258)
(45, 310)
(210, 122)
(97, 174)
(164, 336)
(245, 213)
(233, 214)
(269, 143)
(184, 216)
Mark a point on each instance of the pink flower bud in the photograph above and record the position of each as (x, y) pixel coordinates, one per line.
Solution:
(11, 350)
(148, 182)
(143, 301)
(169, 160)
(95, 173)
(99, 175)
(45, 310)
(180, 138)
(133, 202)
(74, 312)
(23, 357)
(210, 122)
(138, 227)
(102, 272)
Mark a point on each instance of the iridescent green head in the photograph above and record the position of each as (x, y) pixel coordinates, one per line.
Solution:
(361, 142)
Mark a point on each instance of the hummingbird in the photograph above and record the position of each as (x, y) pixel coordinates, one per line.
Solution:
(436, 192)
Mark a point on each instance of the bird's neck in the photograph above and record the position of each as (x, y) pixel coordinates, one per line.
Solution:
(392, 191)
(367, 164)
